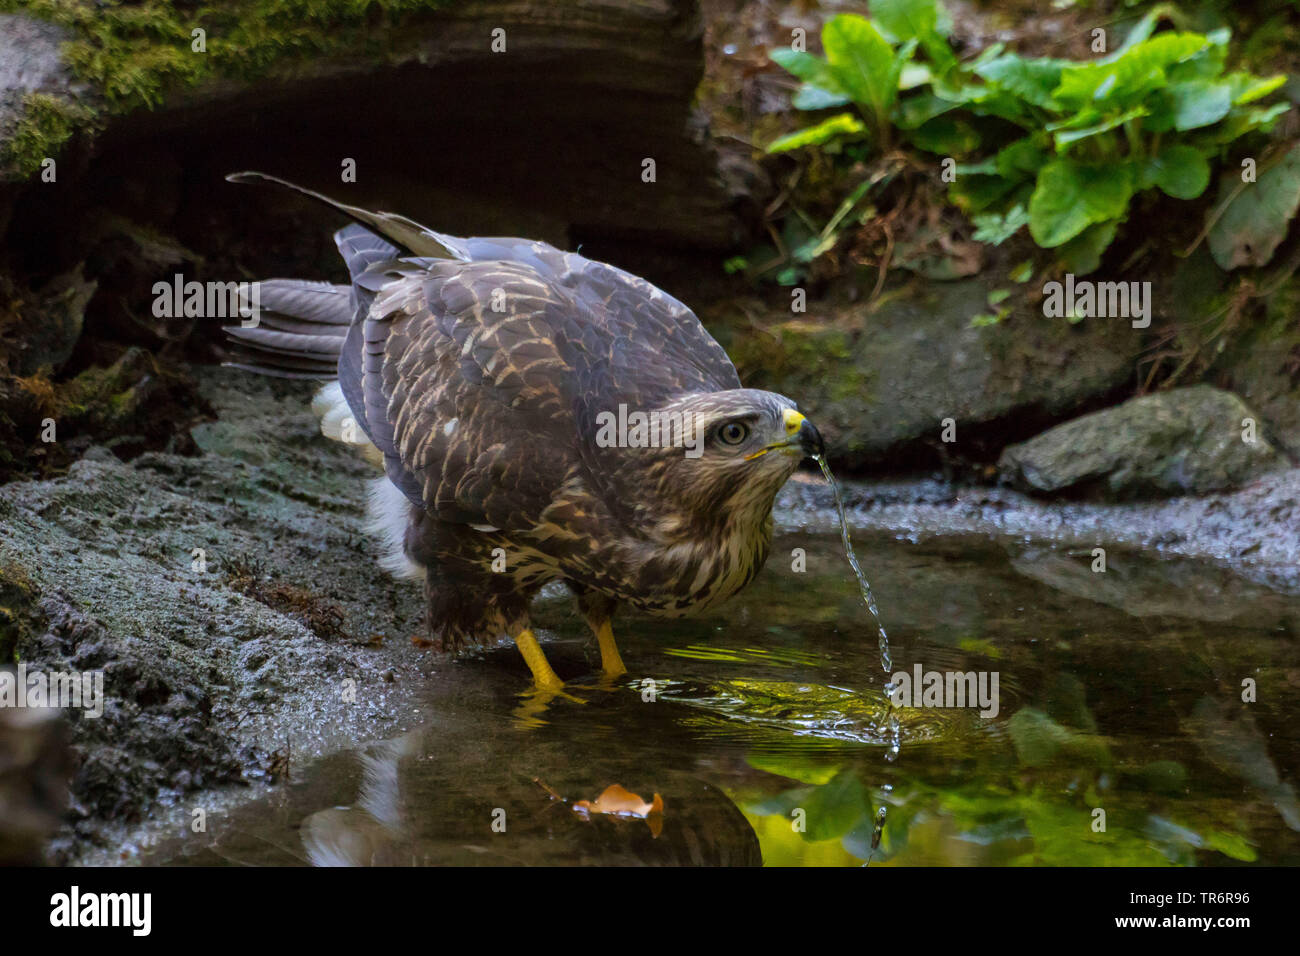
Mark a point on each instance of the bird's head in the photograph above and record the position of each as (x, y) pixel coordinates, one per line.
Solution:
(719, 458)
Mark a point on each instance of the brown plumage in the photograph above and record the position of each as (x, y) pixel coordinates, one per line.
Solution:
(490, 376)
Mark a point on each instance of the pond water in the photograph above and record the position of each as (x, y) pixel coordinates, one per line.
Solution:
(1120, 736)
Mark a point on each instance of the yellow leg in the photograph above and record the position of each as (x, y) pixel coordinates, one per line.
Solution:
(536, 660)
(610, 661)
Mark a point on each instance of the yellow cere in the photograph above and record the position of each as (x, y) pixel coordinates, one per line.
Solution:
(792, 421)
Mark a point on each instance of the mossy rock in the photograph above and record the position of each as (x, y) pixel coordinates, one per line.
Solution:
(1183, 441)
(87, 60)
(880, 380)
(39, 109)
(18, 596)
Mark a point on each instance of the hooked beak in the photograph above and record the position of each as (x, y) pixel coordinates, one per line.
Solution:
(801, 436)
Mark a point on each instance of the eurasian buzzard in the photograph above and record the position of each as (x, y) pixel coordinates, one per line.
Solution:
(539, 416)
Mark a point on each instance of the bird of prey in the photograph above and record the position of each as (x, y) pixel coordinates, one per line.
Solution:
(539, 416)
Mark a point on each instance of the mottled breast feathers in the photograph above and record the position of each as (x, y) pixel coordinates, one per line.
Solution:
(480, 379)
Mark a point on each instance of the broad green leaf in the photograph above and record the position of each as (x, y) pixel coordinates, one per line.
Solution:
(809, 97)
(845, 124)
(1199, 103)
(1083, 117)
(1067, 136)
(990, 52)
(993, 101)
(1138, 71)
(920, 108)
(1206, 65)
(793, 765)
(1025, 157)
(1082, 254)
(946, 136)
(914, 75)
(1247, 88)
(1240, 121)
(942, 57)
(1251, 228)
(1180, 171)
(1140, 33)
(1031, 80)
(1164, 50)
(1161, 112)
(902, 20)
(895, 78)
(919, 20)
(862, 61)
(809, 68)
(1071, 196)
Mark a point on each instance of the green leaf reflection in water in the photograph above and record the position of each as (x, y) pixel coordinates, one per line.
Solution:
(1032, 801)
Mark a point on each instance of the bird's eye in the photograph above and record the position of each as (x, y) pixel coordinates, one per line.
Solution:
(733, 433)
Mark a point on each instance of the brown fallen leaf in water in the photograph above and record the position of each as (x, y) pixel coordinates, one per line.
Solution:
(422, 642)
(620, 802)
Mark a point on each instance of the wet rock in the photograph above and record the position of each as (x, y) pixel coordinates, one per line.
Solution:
(1255, 530)
(131, 404)
(1144, 588)
(880, 380)
(43, 326)
(37, 95)
(124, 568)
(1184, 441)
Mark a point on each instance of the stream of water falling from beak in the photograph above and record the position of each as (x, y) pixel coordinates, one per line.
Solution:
(894, 740)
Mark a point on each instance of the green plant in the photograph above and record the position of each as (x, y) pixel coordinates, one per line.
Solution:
(1058, 146)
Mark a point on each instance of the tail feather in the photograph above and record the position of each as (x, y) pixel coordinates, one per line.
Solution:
(300, 330)
(407, 234)
(311, 329)
(307, 300)
(361, 248)
(288, 343)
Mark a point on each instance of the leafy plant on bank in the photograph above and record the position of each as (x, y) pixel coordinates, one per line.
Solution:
(1058, 146)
